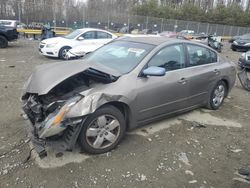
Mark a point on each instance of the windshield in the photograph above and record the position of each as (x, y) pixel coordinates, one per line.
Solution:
(247, 36)
(121, 56)
(73, 35)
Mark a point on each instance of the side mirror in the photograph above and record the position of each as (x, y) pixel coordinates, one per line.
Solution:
(80, 38)
(154, 71)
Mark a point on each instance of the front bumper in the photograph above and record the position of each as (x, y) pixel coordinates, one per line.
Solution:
(244, 64)
(64, 142)
(50, 52)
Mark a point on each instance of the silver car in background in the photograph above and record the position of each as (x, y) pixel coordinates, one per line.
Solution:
(124, 84)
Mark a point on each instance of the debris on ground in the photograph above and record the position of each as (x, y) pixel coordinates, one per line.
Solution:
(141, 177)
(59, 154)
(198, 125)
(144, 131)
(192, 181)
(236, 150)
(183, 158)
(149, 139)
(189, 172)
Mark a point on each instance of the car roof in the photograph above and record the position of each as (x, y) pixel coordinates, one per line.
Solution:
(162, 40)
(91, 29)
(9, 20)
(151, 40)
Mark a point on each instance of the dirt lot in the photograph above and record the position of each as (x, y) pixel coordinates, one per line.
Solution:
(200, 149)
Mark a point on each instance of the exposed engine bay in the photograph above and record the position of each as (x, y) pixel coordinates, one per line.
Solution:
(38, 107)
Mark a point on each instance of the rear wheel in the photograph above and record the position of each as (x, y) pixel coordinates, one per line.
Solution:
(217, 96)
(63, 52)
(3, 42)
(102, 130)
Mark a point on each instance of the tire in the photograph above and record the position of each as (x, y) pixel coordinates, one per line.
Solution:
(234, 49)
(3, 42)
(96, 140)
(63, 51)
(216, 100)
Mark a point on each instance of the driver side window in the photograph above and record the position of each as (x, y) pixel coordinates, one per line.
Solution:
(170, 58)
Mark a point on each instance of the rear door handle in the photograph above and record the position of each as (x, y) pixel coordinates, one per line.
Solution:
(182, 81)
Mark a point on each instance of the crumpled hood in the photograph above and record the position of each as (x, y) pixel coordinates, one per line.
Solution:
(45, 77)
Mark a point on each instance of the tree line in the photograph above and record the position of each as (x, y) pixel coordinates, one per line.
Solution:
(229, 12)
(234, 12)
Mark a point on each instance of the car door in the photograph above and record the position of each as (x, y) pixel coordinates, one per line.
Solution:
(102, 38)
(87, 38)
(203, 72)
(167, 94)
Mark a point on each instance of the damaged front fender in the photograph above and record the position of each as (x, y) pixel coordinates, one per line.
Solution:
(91, 103)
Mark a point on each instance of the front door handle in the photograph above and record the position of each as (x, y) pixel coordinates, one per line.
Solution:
(182, 81)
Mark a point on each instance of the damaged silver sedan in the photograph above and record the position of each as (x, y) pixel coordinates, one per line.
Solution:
(124, 84)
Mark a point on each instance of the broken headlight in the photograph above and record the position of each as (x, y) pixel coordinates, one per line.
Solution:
(53, 121)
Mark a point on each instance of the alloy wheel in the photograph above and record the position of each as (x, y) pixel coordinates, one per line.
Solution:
(103, 131)
(64, 53)
(219, 94)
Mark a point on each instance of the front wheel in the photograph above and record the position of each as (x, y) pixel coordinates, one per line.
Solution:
(217, 96)
(63, 52)
(102, 130)
(3, 42)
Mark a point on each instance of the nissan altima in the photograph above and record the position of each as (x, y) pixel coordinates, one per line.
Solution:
(124, 84)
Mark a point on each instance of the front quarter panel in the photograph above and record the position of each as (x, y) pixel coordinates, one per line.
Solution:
(91, 103)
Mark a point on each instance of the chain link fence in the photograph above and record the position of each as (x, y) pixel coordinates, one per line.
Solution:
(117, 21)
(109, 19)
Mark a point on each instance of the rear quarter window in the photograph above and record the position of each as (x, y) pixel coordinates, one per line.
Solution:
(199, 55)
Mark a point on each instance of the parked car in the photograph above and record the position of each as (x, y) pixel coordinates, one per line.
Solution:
(244, 60)
(82, 50)
(9, 23)
(242, 43)
(126, 29)
(210, 40)
(237, 37)
(7, 34)
(231, 40)
(124, 84)
(59, 46)
(169, 34)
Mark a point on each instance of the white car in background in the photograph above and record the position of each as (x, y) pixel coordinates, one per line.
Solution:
(81, 51)
(88, 38)
(9, 23)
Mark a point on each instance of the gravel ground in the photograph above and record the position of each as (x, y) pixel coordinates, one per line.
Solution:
(200, 149)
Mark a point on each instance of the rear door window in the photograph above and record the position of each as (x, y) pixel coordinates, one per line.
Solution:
(103, 35)
(89, 35)
(198, 55)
